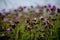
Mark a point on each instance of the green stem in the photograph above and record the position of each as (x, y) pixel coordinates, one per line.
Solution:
(17, 31)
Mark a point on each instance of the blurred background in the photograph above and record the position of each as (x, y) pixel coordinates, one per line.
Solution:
(29, 19)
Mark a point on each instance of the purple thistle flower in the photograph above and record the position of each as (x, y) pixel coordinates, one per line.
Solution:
(45, 6)
(41, 30)
(49, 6)
(28, 20)
(34, 19)
(2, 35)
(5, 20)
(24, 7)
(40, 36)
(28, 27)
(42, 18)
(54, 7)
(54, 19)
(31, 6)
(11, 22)
(9, 29)
(58, 10)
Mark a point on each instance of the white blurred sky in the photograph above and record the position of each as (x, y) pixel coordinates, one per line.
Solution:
(9, 4)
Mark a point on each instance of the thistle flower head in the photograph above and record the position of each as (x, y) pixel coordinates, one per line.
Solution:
(2, 35)
(34, 18)
(5, 20)
(9, 29)
(11, 22)
(42, 18)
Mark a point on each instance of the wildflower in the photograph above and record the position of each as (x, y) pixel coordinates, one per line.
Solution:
(2, 35)
(54, 7)
(3, 14)
(2, 28)
(42, 18)
(44, 21)
(58, 10)
(8, 15)
(28, 20)
(34, 19)
(16, 22)
(45, 6)
(0, 14)
(9, 29)
(11, 22)
(3, 10)
(49, 6)
(48, 25)
(13, 26)
(15, 10)
(31, 6)
(24, 7)
(33, 27)
(28, 27)
(41, 10)
(54, 19)
(47, 9)
(40, 36)
(20, 8)
(41, 30)
(17, 19)
(5, 20)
